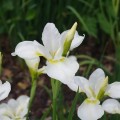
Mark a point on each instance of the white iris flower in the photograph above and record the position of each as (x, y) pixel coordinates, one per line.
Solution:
(14, 109)
(55, 48)
(95, 89)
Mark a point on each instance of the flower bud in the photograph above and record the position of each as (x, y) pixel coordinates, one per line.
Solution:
(69, 38)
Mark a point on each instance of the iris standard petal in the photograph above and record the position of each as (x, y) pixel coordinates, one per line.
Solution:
(90, 110)
(50, 37)
(111, 106)
(83, 83)
(76, 41)
(97, 79)
(62, 70)
(4, 90)
(113, 90)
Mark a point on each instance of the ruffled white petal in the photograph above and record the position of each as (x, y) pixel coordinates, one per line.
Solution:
(50, 37)
(4, 90)
(90, 110)
(62, 70)
(6, 110)
(22, 99)
(15, 108)
(113, 90)
(13, 104)
(22, 109)
(33, 63)
(76, 41)
(30, 50)
(96, 80)
(111, 106)
(3, 108)
(83, 83)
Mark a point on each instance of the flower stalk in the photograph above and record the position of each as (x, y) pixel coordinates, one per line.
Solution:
(32, 92)
(55, 90)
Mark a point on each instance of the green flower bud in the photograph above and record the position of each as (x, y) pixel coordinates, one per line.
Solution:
(69, 38)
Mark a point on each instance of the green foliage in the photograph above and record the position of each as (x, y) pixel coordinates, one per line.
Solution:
(25, 19)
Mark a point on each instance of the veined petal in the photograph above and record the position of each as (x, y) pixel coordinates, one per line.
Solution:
(90, 110)
(50, 37)
(111, 106)
(62, 70)
(4, 90)
(76, 41)
(29, 50)
(113, 90)
(83, 83)
(33, 63)
(96, 80)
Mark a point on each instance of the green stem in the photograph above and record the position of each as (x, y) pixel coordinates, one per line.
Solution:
(32, 94)
(55, 90)
(54, 109)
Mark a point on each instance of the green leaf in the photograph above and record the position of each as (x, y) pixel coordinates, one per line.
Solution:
(91, 24)
(31, 14)
(88, 23)
(8, 5)
(104, 23)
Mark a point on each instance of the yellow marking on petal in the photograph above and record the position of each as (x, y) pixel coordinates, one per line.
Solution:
(92, 101)
(38, 54)
(52, 54)
(93, 93)
(56, 61)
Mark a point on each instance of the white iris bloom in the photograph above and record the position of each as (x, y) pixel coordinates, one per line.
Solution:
(4, 90)
(15, 109)
(95, 89)
(55, 48)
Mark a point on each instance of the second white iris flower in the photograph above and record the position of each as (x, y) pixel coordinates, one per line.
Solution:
(95, 89)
